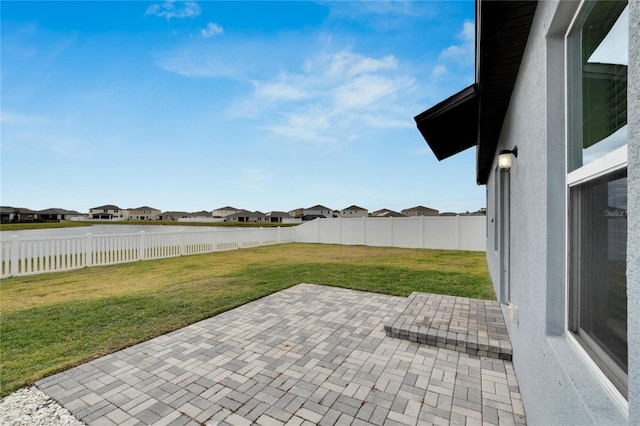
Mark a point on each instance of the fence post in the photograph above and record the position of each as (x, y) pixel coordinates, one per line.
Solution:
(339, 230)
(239, 238)
(422, 241)
(364, 231)
(88, 251)
(142, 246)
(182, 250)
(459, 231)
(391, 232)
(278, 234)
(15, 249)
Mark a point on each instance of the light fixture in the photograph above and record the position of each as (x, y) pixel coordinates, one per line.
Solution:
(504, 158)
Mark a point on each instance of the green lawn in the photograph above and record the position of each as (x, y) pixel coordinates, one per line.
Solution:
(51, 322)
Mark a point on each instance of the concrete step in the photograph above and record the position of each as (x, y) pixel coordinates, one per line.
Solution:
(466, 325)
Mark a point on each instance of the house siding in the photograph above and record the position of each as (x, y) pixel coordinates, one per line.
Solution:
(558, 384)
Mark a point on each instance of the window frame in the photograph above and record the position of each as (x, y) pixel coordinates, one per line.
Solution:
(606, 164)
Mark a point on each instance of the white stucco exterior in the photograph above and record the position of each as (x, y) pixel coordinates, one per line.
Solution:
(559, 382)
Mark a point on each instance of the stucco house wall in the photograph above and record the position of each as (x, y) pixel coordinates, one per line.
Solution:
(559, 383)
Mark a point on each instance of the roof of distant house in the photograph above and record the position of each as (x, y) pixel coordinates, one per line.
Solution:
(106, 207)
(387, 213)
(9, 209)
(278, 214)
(58, 211)
(202, 213)
(318, 207)
(354, 207)
(420, 208)
(143, 208)
(247, 213)
(173, 213)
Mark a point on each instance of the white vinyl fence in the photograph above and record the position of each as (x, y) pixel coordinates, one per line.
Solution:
(36, 255)
(25, 255)
(429, 232)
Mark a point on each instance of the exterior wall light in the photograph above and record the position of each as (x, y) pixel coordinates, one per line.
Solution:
(504, 158)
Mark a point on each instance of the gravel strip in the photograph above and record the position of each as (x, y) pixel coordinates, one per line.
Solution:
(30, 406)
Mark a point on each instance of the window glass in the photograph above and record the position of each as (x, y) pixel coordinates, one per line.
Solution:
(599, 237)
(599, 59)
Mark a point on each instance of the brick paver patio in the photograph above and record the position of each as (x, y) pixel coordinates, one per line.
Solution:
(306, 355)
(466, 325)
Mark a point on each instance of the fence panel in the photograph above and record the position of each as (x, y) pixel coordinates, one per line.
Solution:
(439, 232)
(194, 242)
(352, 231)
(407, 233)
(442, 233)
(328, 231)
(227, 239)
(23, 256)
(379, 232)
(473, 234)
(5, 254)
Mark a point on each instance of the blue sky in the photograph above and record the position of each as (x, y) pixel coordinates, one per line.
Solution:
(258, 105)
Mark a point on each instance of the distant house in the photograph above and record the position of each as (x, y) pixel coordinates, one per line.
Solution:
(296, 212)
(58, 214)
(224, 211)
(386, 213)
(317, 211)
(420, 211)
(200, 214)
(277, 217)
(143, 213)
(354, 211)
(17, 214)
(7, 214)
(173, 215)
(108, 212)
(246, 216)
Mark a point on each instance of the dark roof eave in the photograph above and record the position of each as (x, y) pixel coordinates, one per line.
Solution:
(502, 32)
(440, 124)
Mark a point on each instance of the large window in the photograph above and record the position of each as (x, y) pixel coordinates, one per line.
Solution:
(597, 47)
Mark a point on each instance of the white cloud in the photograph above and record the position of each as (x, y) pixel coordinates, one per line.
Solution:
(326, 98)
(438, 71)
(14, 118)
(350, 64)
(339, 97)
(465, 50)
(278, 91)
(365, 91)
(212, 30)
(168, 9)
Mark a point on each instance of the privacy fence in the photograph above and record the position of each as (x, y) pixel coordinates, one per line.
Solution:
(429, 232)
(26, 255)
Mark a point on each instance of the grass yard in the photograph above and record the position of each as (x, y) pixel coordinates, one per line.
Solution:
(51, 322)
